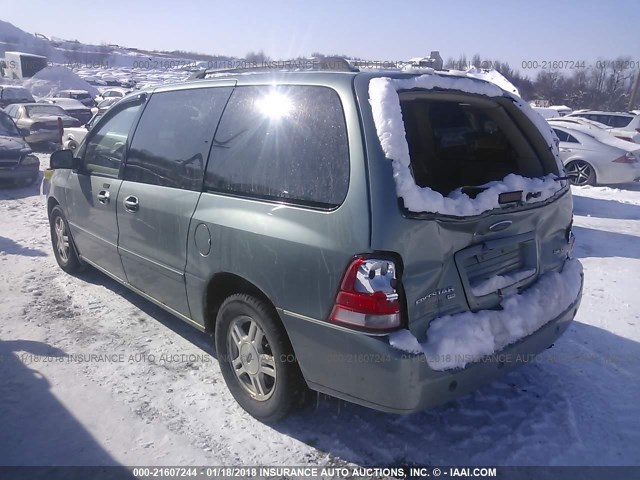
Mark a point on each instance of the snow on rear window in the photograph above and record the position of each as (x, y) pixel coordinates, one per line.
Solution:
(388, 119)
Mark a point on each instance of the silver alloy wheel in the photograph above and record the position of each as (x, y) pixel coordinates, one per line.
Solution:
(251, 358)
(580, 173)
(62, 239)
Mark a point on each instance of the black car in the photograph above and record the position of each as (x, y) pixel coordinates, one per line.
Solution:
(17, 162)
(73, 108)
(82, 96)
(14, 94)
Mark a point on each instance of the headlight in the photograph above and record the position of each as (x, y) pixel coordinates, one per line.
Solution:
(30, 160)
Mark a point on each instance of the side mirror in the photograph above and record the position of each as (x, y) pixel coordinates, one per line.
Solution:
(61, 159)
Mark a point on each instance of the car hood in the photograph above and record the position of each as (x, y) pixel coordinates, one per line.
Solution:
(12, 144)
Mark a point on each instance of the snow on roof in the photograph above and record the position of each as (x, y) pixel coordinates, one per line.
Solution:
(453, 341)
(546, 112)
(561, 108)
(494, 77)
(49, 81)
(79, 92)
(599, 134)
(387, 115)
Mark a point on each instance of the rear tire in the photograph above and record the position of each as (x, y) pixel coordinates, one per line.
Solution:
(580, 173)
(63, 247)
(256, 358)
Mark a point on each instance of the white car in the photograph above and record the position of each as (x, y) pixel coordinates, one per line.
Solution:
(561, 109)
(73, 137)
(546, 112)
(111, 92)
(592, 156)
(623, 125)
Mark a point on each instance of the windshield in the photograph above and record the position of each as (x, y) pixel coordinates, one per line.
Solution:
(7, 127)
(35, 110)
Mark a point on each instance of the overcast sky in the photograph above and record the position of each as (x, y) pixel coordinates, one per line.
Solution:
(508, 30)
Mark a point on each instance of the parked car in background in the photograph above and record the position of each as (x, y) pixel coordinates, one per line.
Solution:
(625, 126)
(14, 94)
(17, 162)
(546, 112)
(597, 127)
(264, 209)
(72, 137)
(105, 105)
(81, 95)
(111, 93)
(591, 156)
(128, 83)
(561, 109)
(39, 121)
(96, 82)
(74, 108)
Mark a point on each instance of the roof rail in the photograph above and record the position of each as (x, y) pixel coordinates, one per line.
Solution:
(314, 64)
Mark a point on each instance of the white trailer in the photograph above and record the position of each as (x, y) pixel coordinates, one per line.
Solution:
(19, 65)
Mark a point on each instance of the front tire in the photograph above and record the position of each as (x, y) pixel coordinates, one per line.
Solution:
(256, 358)
(580, 173)
(62, 242)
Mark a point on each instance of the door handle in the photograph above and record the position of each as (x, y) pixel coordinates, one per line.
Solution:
(131, 204)
(103, 197)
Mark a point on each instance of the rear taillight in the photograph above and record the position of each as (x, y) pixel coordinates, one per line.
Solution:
(367, 297)
(638, 130)
(626, 158)
(627, 139)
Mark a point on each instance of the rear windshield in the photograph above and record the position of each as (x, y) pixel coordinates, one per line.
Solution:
(453, 144)
(44, 110)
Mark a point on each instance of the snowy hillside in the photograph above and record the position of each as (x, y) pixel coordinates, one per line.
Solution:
(93, 374)
(74, 52)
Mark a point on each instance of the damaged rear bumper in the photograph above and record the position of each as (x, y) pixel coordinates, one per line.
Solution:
(368, 371)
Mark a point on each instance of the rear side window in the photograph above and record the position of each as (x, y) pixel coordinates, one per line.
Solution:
(171, 143)
(620, 121)
(565, 137)
(285, 143)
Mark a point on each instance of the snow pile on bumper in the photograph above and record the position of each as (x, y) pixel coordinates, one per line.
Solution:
(453, 341)
(387, 115)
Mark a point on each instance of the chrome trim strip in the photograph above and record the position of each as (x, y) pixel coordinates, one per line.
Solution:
(145, 259)
(331, 325)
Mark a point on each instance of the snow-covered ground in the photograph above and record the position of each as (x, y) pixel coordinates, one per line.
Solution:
(153, 394)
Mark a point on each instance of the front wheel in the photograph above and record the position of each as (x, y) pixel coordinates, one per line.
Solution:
(580, 173)
(71, 145)
(256, 358)
(63, 247)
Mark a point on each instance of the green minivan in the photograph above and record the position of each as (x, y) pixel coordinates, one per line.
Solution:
(394, 239)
